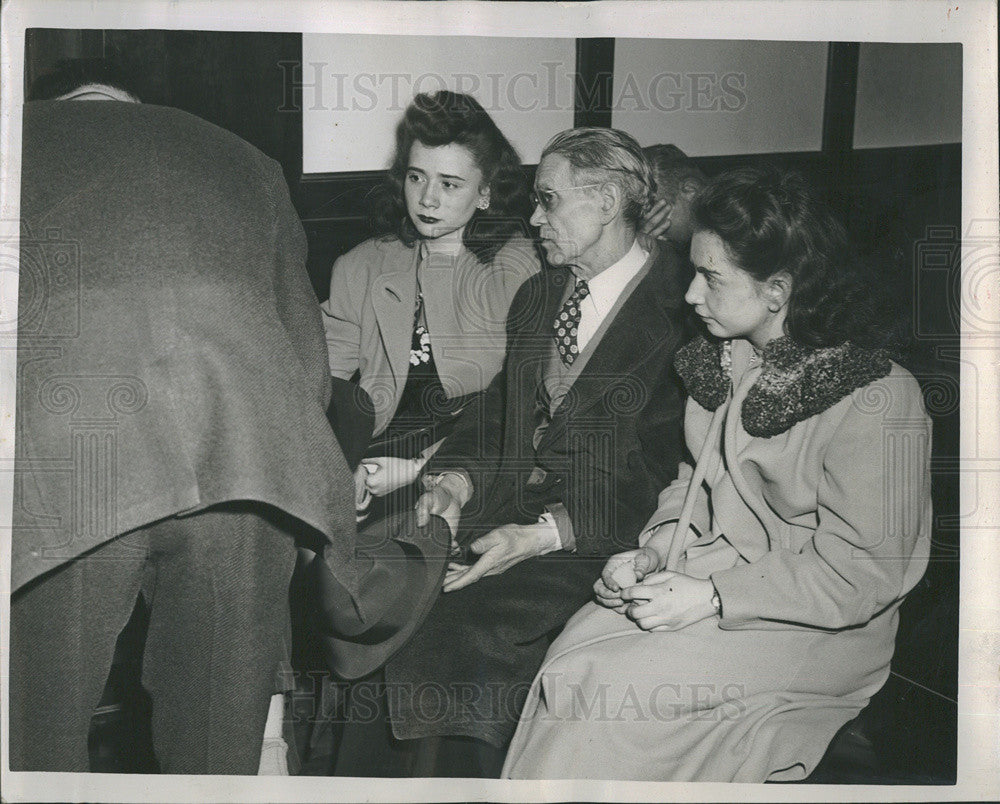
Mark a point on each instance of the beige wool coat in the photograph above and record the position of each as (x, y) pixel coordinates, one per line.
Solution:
(811, 535)
(368, 317)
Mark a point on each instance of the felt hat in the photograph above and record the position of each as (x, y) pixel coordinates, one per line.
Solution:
(400, 569)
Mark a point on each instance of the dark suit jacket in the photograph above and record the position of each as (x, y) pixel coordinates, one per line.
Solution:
(612, 442)
(170, 351)
(612, 446)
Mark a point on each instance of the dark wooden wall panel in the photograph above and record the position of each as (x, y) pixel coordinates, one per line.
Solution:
(594, 85)
(44, 47)
(232, 79)
(841, 92)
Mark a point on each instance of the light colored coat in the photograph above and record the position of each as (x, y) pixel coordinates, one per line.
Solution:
(811, 537)
(368, 317)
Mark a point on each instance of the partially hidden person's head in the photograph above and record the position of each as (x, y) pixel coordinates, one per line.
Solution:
(771, 259)
(84, 79)
(678, 180)
(454, 177)
(592, 188)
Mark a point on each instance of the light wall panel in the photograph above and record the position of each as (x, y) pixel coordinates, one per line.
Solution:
(908, 94)
(356, 88)
(721, 97)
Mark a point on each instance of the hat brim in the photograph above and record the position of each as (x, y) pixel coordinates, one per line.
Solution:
(406, 567)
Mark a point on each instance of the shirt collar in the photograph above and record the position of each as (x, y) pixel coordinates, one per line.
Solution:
(609, 283)
(99, 92)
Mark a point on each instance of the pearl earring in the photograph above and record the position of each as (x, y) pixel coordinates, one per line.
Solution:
(484, 203)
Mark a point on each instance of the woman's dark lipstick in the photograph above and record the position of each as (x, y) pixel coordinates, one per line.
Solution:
(428, 219)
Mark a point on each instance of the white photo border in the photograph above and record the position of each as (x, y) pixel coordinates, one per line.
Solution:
(970, 22)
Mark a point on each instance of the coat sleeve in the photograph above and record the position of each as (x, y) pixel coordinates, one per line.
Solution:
(669, 507)
(513, 265)
(611, 497)
(342, 314)
(474, 442)
(474, 445)
(872, 537)
(294, 296)
(671, 499)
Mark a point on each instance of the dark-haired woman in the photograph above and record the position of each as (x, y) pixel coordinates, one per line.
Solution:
(734, 648)
(419, 310)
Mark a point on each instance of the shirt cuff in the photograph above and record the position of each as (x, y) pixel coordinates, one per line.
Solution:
(552, 540)
(456, 482)
(558, 516)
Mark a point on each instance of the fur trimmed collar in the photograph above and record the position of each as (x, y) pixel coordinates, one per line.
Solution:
(795, 382)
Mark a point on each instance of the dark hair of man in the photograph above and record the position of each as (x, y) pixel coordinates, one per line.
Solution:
(771, 220)
(71, 74)
(671, 168)
(444, 118)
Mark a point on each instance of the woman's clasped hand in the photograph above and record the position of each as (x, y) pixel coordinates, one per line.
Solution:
(654, 599)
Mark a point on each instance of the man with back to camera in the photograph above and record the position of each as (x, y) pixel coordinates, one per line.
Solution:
(171, 436)
(557, 464)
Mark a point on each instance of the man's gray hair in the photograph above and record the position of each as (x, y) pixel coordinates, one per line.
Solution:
(607, 154)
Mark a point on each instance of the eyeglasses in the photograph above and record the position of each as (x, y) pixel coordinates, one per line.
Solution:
(546, 199)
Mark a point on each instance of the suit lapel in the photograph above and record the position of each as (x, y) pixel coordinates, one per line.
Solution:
(642, 327)
(528, 353)
(393, 296)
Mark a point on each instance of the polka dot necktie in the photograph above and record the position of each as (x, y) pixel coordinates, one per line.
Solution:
(567, 323)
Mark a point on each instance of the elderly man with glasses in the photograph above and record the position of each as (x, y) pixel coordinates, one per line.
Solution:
(557, 466)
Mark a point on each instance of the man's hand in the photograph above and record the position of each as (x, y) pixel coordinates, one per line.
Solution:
(656, 222)
(499, 550)
(362, 499)
(385, 474)
(623, 570)
(669, 601)
(439, 501)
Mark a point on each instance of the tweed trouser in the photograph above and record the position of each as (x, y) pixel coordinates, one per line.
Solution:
(217, 587)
